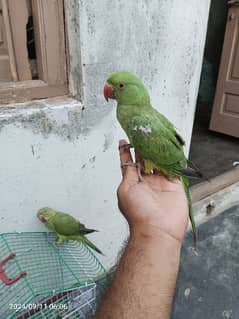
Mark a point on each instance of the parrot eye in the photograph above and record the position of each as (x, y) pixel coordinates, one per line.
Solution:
(121, 86)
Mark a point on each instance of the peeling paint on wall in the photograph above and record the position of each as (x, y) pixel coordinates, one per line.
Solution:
(64, 119)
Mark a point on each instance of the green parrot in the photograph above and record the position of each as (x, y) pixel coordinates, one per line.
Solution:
(65, 226)
(151, 134)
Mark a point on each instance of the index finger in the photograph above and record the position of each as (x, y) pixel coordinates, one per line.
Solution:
(125, 157)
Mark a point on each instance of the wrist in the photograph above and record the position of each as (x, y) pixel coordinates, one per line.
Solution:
(153, 235)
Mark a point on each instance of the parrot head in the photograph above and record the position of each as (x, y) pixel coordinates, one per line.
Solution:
(126, 88)
(45, 213)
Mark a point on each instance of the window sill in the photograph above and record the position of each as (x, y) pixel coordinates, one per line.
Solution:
(56, 102)
(61, 116)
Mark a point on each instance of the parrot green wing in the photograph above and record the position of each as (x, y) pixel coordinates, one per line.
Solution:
(156, 142)
(170, 126)
(65, 224)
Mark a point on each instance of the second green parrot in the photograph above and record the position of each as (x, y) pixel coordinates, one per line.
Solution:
(65, 226)
(151, 134)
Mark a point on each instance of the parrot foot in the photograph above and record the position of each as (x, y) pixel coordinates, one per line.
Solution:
(61, 239)
(126, 146)
(138, 165)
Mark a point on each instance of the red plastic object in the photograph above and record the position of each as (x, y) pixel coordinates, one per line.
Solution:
(7, 281)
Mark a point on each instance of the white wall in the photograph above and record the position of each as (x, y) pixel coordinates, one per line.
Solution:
(62, 155)
(162, 41)
(47, 161)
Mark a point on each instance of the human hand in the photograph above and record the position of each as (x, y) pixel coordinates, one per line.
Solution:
(154, 206)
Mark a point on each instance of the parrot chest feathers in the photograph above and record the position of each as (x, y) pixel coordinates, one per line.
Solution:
(50, 225)
(146, 130)
(125, 113)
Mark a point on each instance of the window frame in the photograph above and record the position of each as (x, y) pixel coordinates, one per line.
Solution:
(50, 42)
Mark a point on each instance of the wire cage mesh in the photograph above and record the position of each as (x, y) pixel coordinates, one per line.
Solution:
(55, 281)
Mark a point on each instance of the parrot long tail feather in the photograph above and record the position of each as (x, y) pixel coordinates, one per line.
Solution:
(84, 231)
(185, 183)
(191, 173)
(86, 241)
(194, 166)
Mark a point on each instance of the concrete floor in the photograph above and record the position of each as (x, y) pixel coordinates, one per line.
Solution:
(213, 153)
(208, 283)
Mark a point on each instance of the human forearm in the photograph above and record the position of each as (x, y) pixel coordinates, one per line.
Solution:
(144, 283)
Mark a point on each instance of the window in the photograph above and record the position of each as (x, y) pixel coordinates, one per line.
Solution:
(32, 50)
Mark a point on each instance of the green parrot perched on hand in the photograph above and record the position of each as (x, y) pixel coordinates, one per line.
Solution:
(151, 134)
(65, 226)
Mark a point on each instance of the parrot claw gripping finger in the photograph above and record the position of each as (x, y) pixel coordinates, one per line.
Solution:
(138, 166)
(126, 146)
(61, 239)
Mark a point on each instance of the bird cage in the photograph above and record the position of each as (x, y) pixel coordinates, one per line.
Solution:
(41, 279)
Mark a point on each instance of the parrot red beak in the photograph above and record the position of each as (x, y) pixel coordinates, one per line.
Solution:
(41, 218)
(108, 92)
